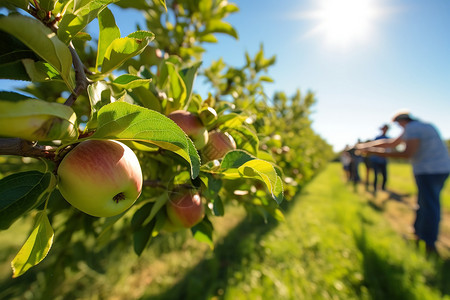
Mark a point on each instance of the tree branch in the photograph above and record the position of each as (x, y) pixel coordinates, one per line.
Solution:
(154, 183)
(81, 81)
(20, 147)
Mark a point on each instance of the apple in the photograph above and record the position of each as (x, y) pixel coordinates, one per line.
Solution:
(185, 209)
(219, 143)
(102, 178)
(192, 126)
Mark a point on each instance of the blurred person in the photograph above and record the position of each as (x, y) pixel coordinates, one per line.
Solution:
(346, 160)
(431, 166)
(354, 167)
(379, 163)
(369, 167)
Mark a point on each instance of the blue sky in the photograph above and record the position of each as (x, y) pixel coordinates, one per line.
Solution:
(403, 62)
(399, 59)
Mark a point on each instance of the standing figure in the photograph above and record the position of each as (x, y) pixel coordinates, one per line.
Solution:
(431, 165)
(354, 167)
(346, 160)
(379, 163)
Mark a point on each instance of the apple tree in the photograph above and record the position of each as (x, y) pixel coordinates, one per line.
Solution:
(123, 89)
(196, 153)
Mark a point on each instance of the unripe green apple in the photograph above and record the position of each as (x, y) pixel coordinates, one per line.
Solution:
(192, 126)
(185, 210)
(219, 143)
(37, 120)
(102, 178)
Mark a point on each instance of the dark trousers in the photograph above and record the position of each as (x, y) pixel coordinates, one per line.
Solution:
(428, 214)
(379, 168)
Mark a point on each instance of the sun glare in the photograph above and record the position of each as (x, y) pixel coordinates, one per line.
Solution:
(344, 22)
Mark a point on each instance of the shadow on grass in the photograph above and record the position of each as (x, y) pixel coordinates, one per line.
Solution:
(398, 197)
(211, 277)
(384, 279)
(391, 196)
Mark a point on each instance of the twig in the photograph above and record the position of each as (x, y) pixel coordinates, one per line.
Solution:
(81, 81)
(20, 147)
(154, 183)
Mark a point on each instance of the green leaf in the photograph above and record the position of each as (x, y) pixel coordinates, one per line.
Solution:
(23, 4)
(40, 71)
(163, 77)
(235, 159)
(128, 81)
(141, 215)
(245, 138)
(159, 203)
(208, 38)
(84, 13)
(22, 192)
(120, 50)
(104, 236)
(12, 96)
(177, 88)
(163, 2)
(205, 8)
(227, 9)
(14, 71)
(147, 98)
(217, 25)
(108, 33)
(264, 171)
(203, 231)
(213, 186)
(42, 41)
(12, 49)
(240, 164)
(36, 247)
(148, 211)
(142, 35)
(124, 121)
(99, 95)
(37, 120)
(47, 5)
(188, 75)
(265, 78)
(142, 237)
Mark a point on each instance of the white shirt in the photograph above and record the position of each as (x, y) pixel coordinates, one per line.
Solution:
(432, 155)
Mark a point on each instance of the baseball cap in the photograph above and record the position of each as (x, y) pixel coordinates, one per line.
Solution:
(401, 115)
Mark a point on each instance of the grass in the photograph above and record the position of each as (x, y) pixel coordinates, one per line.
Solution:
(333, 245)
(401, 179)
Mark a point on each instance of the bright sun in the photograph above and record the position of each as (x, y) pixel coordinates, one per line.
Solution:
(344, 22)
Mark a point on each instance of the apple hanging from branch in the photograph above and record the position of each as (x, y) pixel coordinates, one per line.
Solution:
(192, 126)
(219, 143)
(102, 178)
(185, 209)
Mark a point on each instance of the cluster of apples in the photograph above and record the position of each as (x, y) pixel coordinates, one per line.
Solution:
(212, 145)
(103, 178)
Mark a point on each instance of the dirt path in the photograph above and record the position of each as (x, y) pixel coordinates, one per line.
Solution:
(399, 209)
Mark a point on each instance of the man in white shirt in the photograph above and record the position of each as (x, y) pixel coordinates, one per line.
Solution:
(431, 165)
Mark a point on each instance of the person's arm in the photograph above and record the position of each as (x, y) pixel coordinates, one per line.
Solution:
(411, 147)
(382, 143)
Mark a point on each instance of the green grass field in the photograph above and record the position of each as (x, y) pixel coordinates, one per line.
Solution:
(333, 245)
(401, 179)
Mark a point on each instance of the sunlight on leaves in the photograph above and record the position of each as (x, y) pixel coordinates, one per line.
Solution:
(36, 247)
